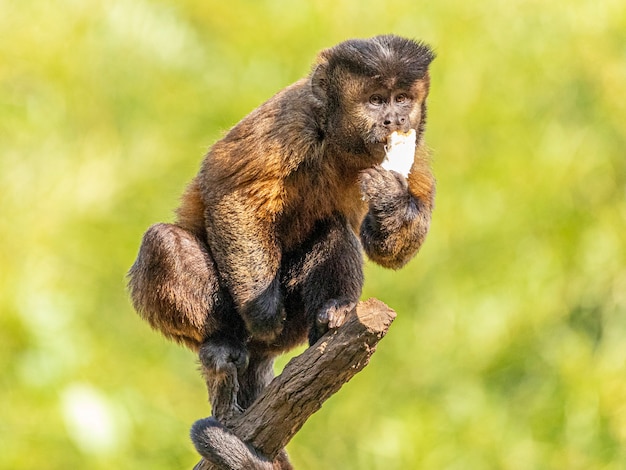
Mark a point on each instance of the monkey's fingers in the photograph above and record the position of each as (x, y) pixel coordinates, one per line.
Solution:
(377, 182)
(367, 184)
(337, 315)
(334, 314)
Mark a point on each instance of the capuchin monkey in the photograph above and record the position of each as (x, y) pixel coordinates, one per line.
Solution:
(267, 248)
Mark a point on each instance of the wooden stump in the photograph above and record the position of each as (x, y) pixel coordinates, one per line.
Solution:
(306, 382)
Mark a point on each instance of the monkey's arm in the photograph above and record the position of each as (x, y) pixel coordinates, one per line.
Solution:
(242, 241)
(399, 213)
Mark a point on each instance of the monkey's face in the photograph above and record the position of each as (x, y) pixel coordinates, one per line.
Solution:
(370, 88)
(374, 111)
(392, 109)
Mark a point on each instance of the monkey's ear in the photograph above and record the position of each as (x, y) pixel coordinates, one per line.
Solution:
(319, 77)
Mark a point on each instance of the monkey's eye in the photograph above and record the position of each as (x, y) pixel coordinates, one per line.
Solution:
(377, 100)
(402, 98)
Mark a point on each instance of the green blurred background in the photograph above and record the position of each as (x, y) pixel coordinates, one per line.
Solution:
(509, 350)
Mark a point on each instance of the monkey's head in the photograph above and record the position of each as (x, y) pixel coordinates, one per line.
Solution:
(370, 88)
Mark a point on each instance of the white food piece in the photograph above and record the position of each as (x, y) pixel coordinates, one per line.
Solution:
(400, 152)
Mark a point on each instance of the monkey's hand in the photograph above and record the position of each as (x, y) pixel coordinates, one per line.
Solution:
(398, 218)
(383, 189)
(264, 315)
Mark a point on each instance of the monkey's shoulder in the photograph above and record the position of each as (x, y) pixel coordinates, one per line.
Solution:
(269, 143)
(290, 116)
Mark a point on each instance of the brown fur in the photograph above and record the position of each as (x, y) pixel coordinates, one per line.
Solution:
(265, 249)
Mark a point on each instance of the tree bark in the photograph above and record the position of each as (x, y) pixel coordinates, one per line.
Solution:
(308, 380)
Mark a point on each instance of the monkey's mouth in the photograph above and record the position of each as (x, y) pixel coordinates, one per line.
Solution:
(378, 137)
(377, 141)
(382, 135)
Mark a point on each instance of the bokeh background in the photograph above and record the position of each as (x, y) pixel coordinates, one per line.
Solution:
(509, 350)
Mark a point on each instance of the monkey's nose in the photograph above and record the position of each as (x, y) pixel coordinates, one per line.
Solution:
(396, 123)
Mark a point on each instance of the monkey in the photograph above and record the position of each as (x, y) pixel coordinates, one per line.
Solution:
(267, 247)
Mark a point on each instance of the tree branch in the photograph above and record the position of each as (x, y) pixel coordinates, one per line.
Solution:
(307, 381)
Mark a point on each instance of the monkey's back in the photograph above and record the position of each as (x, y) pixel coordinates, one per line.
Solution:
(275, 159)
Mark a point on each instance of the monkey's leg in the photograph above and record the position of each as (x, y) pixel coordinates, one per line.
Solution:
(223, 360)
(174, 286)
(255, 378)
(214, 441)
(327, 274)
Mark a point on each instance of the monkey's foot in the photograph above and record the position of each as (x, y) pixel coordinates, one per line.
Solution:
(266, 329)
(221, 357)
(336, 313)
(332, 315)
